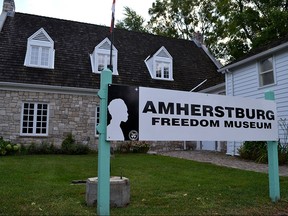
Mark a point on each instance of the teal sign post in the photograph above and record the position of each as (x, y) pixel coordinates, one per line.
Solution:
(103, 189)
(274, 187)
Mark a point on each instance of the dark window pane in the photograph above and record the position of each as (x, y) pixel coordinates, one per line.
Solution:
(267, 78)
(266, 64)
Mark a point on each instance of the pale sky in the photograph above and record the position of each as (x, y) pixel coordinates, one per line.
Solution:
(89, 11)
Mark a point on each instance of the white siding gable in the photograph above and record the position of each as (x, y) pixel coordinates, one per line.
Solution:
(243, 81)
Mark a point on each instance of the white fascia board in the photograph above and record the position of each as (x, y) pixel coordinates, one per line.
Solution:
(215, 88)
(47, 89)
(254, 57)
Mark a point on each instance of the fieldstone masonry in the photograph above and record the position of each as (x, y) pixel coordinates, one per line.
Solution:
(67, 113)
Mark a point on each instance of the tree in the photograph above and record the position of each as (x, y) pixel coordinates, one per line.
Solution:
(132, 21)
(230, 27)
(174, 18)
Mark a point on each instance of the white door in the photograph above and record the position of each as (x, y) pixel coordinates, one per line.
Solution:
(208, 145)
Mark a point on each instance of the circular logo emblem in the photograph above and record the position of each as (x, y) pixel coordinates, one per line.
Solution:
(133, 135)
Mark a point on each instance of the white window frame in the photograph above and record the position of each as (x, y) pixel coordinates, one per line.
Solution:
(97, 119)
(25, 118)
(40, 43)
(261, 73)
(153, 63)
(98, 51)
(163, 62)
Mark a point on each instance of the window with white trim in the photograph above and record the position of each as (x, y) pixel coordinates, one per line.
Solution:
(34, 119)
(40, 50)
(160, 65)
(97, 119)
(266, 72)
(100, 58)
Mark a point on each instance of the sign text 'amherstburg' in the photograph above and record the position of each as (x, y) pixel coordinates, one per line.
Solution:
(237, 113)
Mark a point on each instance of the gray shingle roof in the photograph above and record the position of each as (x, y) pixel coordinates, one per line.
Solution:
(74, 41)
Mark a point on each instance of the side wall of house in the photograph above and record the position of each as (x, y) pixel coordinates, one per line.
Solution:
(243, 82)
(67, 113)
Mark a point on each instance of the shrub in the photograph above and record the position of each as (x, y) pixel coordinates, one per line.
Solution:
(69, 146)
(8, 148)
(134, 146)
(43, 148)
(282, 153)
(254, 150)
(257, 151)
(124, 147)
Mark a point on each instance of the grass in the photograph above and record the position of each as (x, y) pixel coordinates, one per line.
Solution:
(41, 185)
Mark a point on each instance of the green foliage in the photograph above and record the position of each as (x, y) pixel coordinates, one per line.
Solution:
(43, 148)
(8, 148)
(254, 150)
(69, 146)
(231, 28)
(257, 151)
(133, 146)
(174, 18)
(132, 21)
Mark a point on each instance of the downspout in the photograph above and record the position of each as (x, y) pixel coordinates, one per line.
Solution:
(229, 77)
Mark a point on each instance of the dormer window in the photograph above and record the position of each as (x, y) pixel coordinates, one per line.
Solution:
(100, 58)
(160, 65)
(40, 50)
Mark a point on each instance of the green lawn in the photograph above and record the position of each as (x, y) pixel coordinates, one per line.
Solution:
(41, 185)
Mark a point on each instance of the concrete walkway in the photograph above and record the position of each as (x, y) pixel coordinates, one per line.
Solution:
(222, 159)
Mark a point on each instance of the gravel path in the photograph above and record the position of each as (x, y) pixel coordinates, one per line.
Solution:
(222, 159)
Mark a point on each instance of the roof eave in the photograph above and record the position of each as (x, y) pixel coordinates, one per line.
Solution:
(254, 57)
(47, 88)
(213, 59)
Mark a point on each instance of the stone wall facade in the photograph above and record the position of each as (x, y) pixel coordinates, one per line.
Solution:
(68, 113)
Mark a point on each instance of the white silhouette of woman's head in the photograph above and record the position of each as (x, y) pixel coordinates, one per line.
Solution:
(118, 110)
(119, 113)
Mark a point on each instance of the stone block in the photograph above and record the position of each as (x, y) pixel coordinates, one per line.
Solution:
(119, 191)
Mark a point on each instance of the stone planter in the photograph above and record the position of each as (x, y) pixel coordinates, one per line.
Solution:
(119, 191)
